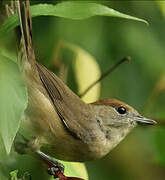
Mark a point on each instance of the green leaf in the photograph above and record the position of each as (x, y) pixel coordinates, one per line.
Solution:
(3, 158)
(85, 66)
(13, 175)
(13, 98)
(69, 10)
(161, 5)
(8, 54)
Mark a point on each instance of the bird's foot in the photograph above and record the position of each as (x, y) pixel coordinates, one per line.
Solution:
(56, 169)
(57, 173)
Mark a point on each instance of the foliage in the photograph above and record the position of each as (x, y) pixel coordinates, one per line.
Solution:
(13, 101)
(106, 40)
(70, 10)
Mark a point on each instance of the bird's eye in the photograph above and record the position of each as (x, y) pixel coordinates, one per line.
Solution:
(121, 110)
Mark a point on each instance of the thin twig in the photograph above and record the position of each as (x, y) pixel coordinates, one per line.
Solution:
(128, 58)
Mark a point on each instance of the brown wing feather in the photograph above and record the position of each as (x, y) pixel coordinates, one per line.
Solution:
(70, 108)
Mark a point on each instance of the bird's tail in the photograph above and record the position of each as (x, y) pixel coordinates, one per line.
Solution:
(26, 56)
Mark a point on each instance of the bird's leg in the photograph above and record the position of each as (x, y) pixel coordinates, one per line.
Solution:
(56, 169)
(54, 165)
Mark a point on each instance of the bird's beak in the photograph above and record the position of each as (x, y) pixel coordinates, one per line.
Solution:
(143, 120)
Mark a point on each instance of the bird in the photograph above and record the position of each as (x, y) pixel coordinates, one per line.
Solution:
(56, 121)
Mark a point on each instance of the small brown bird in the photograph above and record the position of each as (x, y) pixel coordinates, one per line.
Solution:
(57, 122)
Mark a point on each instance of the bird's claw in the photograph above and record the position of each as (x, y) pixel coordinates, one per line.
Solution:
(57, 172)
(55, 169)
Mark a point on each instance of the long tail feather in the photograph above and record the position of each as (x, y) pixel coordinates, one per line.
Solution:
(26, 53)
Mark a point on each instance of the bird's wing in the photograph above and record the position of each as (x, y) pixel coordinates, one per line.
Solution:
(73, 112)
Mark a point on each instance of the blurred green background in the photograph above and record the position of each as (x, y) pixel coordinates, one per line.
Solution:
(140, 83)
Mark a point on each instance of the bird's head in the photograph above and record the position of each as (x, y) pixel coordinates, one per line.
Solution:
(116, 119)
